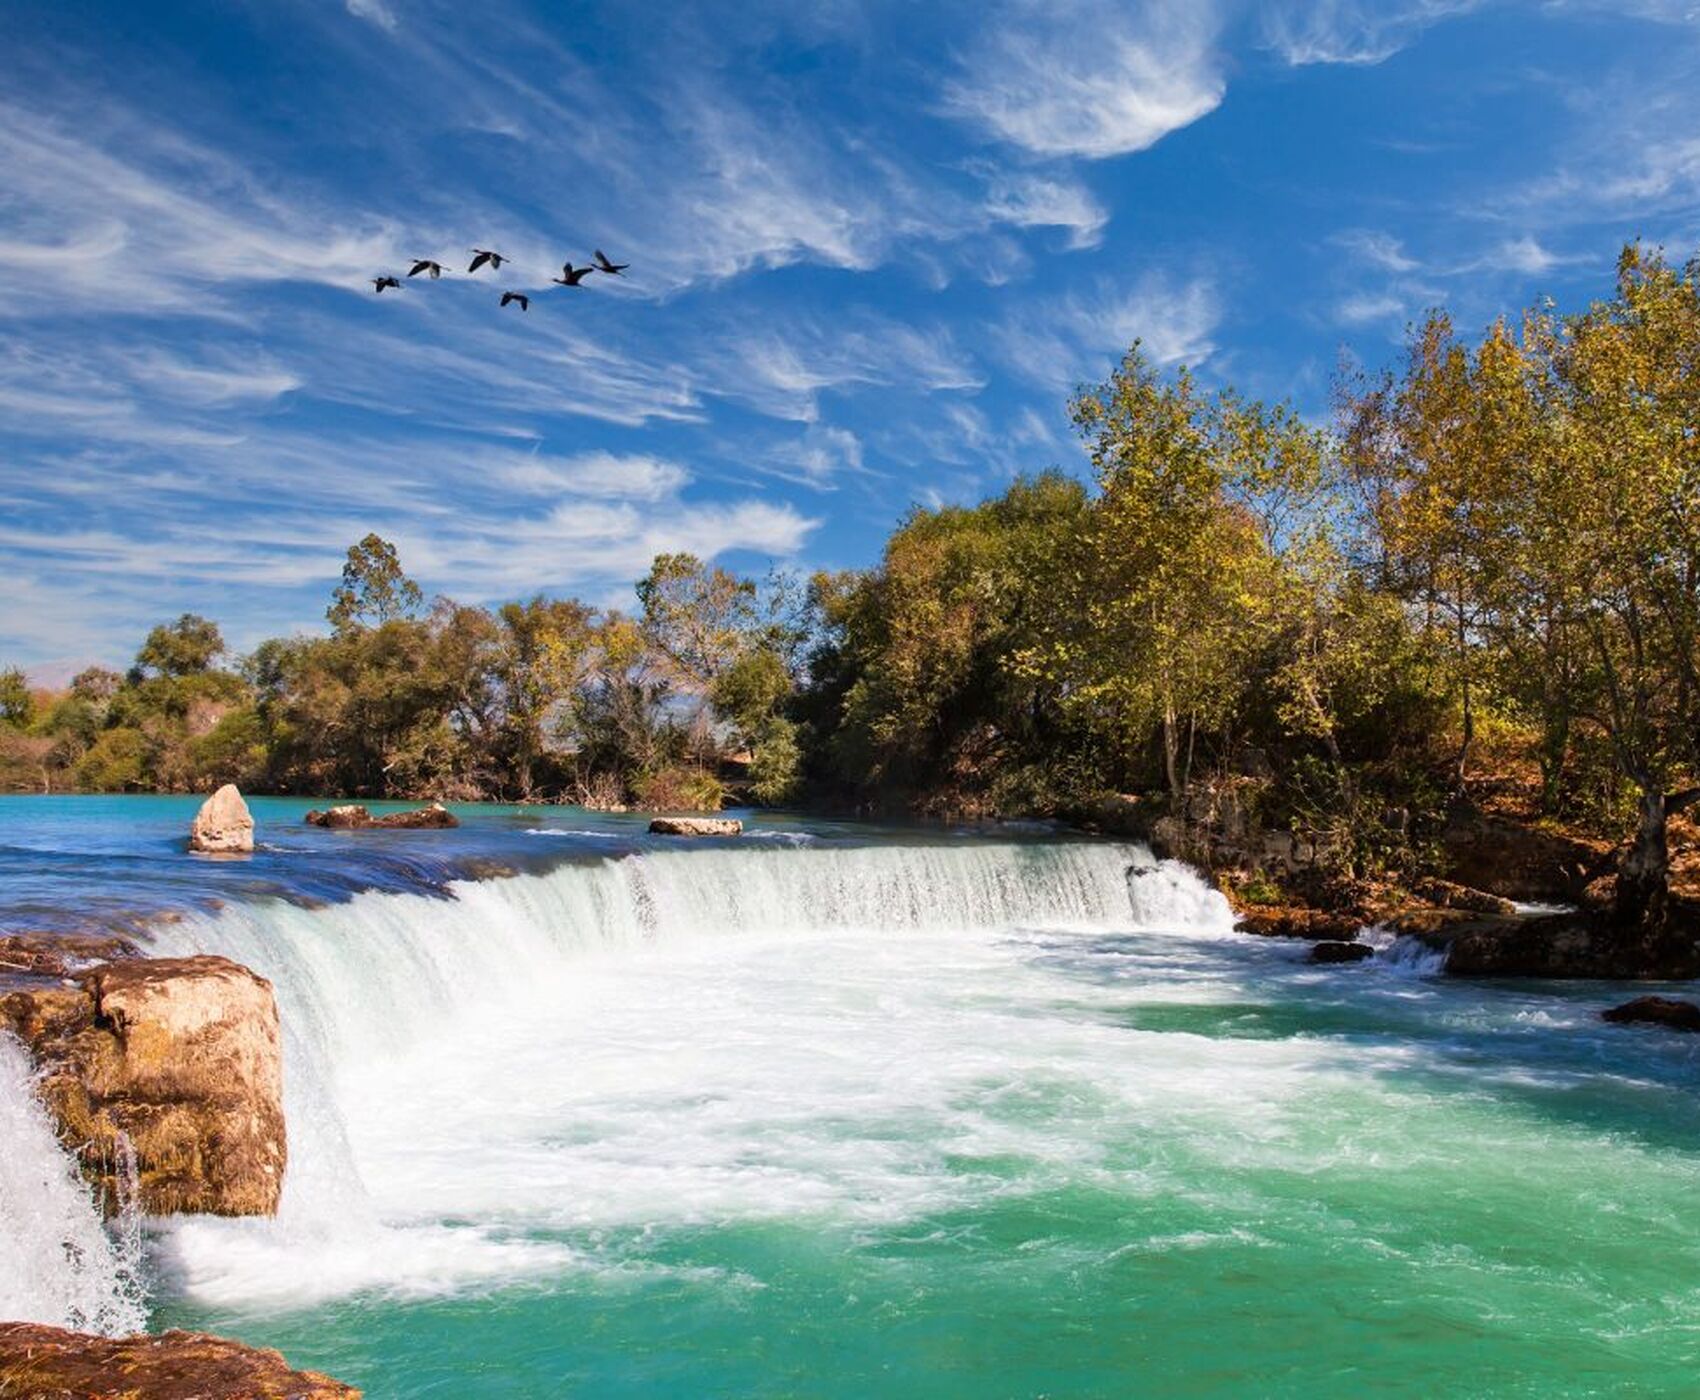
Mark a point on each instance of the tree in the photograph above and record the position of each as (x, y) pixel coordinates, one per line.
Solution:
(1616, 507)
(1199, 497)
(374, 589)
(16, 704)
(185, 647)
(700, 618)
(1437, 452)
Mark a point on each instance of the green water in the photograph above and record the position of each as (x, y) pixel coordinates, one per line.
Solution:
(938, 1122)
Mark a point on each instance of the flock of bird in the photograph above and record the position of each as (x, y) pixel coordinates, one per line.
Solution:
(485, 257)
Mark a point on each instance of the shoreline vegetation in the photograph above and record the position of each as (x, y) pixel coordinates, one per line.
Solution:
(1326, 664)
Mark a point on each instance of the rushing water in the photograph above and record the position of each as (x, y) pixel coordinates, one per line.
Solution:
(836, 1111)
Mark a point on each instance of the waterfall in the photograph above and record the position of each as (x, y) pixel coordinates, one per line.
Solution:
(429, 1041)
(59, 1265)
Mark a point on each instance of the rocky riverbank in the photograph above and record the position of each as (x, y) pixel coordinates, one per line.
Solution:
(49, 1363)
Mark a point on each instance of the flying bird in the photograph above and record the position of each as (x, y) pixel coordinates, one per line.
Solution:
(426, 265)
(523, 300)
(486, 256)
(379, 283)
(571, 276)
(603, 265)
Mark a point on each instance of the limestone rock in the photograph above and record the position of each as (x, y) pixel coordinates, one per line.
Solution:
(696, 826)
(223, 825)
(1656, 1011)
(178, 1060)
(352, 817)
(49, 1363)
(1341, 952)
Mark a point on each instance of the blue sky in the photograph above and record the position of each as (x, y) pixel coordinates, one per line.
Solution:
(873, 247)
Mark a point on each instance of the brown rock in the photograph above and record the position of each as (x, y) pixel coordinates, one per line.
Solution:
(1332, 952)
(1447, 895)
(49, 954)
(1424, 922)
(434, 817)
(1656, 1011)
(353, 817)
(1299, 922)
(178, 1060)
(49, 1363)
(696, 826)
(1516, 861)
(1563, 945)
(223, 825)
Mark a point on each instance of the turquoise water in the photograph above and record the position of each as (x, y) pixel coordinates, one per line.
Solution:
(845, 1112)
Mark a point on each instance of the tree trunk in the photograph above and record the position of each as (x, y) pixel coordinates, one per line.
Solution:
(1643, 873)
(1171, 755)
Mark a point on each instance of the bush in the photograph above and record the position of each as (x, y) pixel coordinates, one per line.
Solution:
(680, 790)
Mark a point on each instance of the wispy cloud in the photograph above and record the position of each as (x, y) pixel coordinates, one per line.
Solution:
(1351, 31)
(1087, 77)
(1078, 336)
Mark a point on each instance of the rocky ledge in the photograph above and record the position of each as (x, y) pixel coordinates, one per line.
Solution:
(352, 817)
(48, 1363)
(1562, 945)
(696, 826)
(171, 1065)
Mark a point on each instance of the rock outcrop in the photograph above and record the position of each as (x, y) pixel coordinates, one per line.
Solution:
(49, 1363)
(352, 817)
(1562, 945)
(696, 826)
(1340, 952)
(1517, 861)
(1446, 894)
(223, 826)
(172, 1065)
(1656, 1011)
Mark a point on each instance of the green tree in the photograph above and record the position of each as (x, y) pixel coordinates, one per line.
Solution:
(185, 647)
(374, 588)
(17, 705)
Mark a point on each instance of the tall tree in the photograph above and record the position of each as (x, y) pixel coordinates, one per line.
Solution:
(185, 647)
(374, 588)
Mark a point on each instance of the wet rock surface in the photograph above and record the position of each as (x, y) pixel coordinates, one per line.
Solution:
(49, 1363)
(1669, 1012)
(172, 1067)
(696, 826)
(353, 817)
(1341, 952)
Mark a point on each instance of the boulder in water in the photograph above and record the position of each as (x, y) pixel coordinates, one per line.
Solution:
(51, 1362)
(696, 826)
(165, 1077)
(1330, 951)
(1656, 1011)
(223, 825)
(352, 817)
